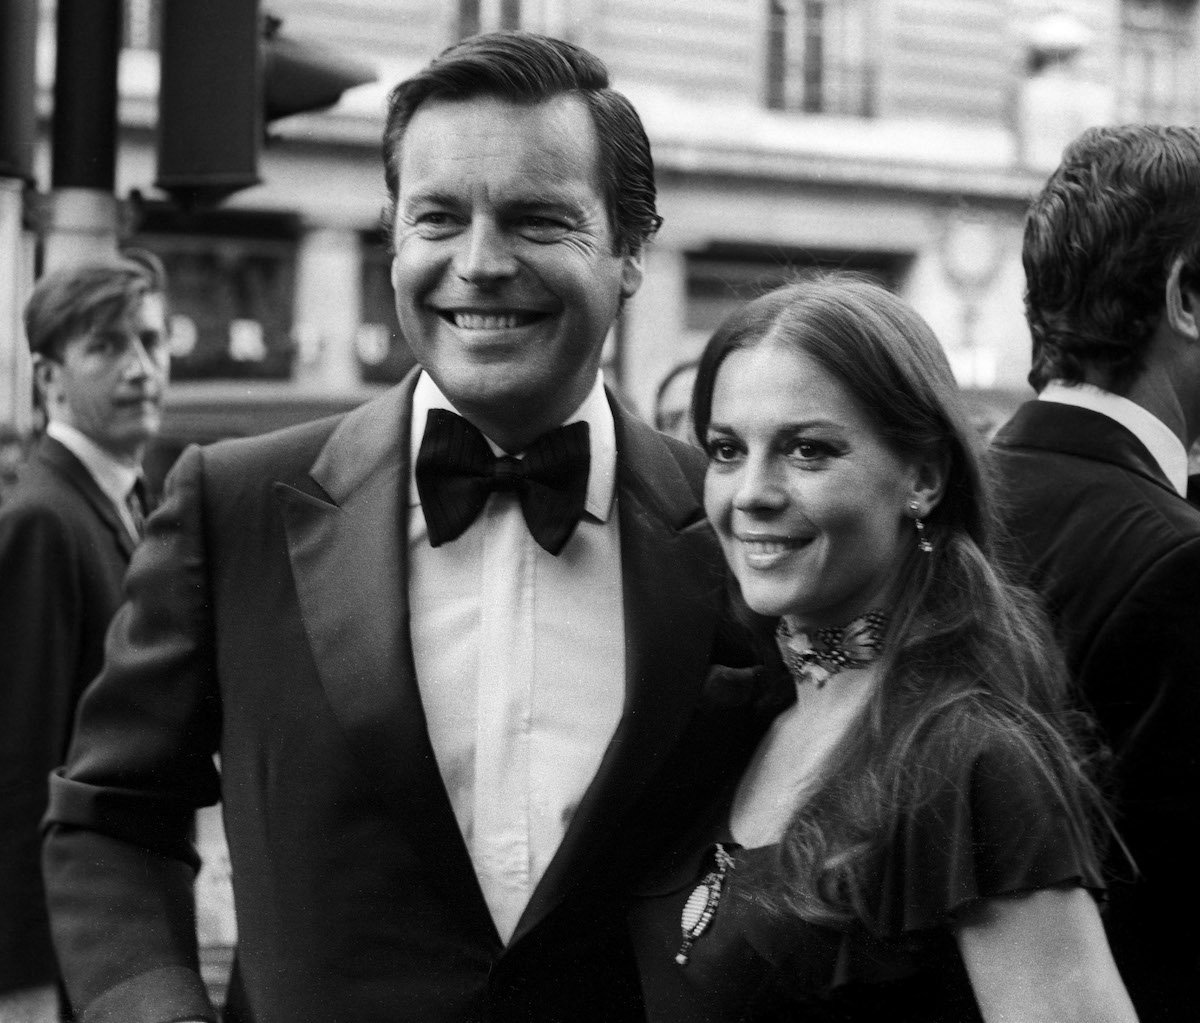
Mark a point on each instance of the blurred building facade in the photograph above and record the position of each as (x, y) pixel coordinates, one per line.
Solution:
(901, 138)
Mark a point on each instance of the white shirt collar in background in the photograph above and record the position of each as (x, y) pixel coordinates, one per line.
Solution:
(113, 477)
(1165, 448)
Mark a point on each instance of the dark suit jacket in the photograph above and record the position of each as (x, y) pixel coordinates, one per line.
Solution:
(268, 621)
(63, 553)
(1115, 551)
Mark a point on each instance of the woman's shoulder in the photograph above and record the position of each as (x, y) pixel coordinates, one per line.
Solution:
(991, 810)
(1002, 768)
(980, 736)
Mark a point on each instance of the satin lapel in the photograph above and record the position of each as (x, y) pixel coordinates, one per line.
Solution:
(348, 547)
(58, 458)
(670, 580)
(1085, 433)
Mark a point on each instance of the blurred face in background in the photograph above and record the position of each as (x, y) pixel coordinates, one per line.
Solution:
(810, 506)
(109, 382)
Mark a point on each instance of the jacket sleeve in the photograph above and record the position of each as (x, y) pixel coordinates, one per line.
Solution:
(1142, 677)
(118, 857)
(40, 621)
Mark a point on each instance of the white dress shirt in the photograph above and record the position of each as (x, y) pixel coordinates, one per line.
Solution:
(113, 477)
(1165, 448)
(520, 660)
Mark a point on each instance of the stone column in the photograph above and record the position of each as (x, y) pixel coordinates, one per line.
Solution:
(654, 329)
(16, 276)
(328, 307)
(78, 224)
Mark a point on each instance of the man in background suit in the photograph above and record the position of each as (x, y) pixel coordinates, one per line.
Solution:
(67, 530)
(450, 646)
(1092, 477)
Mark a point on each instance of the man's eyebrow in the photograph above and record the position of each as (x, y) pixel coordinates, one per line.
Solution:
(431, 197)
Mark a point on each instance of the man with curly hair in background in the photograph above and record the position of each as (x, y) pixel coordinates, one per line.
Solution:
(1093, 477)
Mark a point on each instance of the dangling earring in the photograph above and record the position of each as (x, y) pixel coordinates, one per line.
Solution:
(924, 545)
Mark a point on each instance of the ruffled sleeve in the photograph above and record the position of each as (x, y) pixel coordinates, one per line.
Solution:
(997, 827)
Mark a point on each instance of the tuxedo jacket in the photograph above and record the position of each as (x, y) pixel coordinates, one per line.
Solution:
(267, 621)
(63, 553)
(1115, 551)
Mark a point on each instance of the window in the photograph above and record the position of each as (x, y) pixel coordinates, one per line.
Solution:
(1158, 62)
(383, 355)
(483, 16)
(724, 276)
(816, 57)
(231, 283)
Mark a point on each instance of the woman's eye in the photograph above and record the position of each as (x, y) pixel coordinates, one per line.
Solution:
(721, 450)
(809, 450)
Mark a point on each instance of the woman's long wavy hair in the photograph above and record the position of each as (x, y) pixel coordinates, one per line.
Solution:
(968, 655)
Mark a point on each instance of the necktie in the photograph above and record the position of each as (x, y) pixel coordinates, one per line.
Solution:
(456, 471)
(135, 501)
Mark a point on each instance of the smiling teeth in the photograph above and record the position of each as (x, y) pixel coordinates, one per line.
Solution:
(478, 321)
(767, 546)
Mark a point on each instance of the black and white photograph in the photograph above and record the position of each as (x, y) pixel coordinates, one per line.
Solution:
(599, 511)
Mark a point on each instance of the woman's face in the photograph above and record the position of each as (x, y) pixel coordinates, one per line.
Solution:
(810, 506)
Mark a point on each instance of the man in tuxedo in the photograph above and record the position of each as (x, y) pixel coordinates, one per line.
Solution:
(450, 647)
(67, 530)
(1092, 482)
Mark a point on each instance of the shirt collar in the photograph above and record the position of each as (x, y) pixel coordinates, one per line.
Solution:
(1160, 440)
(595, 411)
(113, 477)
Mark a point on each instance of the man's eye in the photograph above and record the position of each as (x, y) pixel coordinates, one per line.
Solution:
(434, 224)
(108, 344)
(542, 227)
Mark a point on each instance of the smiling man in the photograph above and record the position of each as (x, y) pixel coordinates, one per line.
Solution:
(450, 647)
(67, 530)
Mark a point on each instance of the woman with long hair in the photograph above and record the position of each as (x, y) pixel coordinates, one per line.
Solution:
(915, 836)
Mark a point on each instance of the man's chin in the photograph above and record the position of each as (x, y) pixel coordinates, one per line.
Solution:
(129, 443)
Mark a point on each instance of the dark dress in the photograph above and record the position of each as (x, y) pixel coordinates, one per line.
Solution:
(994, 829)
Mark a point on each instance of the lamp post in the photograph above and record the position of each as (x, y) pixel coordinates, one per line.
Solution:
(1054, 104)
(971, 251)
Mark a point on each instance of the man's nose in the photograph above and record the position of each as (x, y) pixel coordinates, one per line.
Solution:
(141, 360)
(485, 253)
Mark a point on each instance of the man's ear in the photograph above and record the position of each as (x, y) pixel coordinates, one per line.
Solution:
(1182, 301)
(632, 271)
(45, 375)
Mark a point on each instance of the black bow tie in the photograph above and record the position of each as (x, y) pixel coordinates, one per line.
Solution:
(456, 471)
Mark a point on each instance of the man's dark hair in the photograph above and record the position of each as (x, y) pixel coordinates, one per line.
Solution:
(1100, 241)
(522, 67)
(73, 300)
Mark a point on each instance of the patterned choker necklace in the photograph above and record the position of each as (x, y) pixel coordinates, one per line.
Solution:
(819, 657)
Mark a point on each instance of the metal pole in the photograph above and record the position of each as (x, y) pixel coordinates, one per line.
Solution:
(85, 94)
